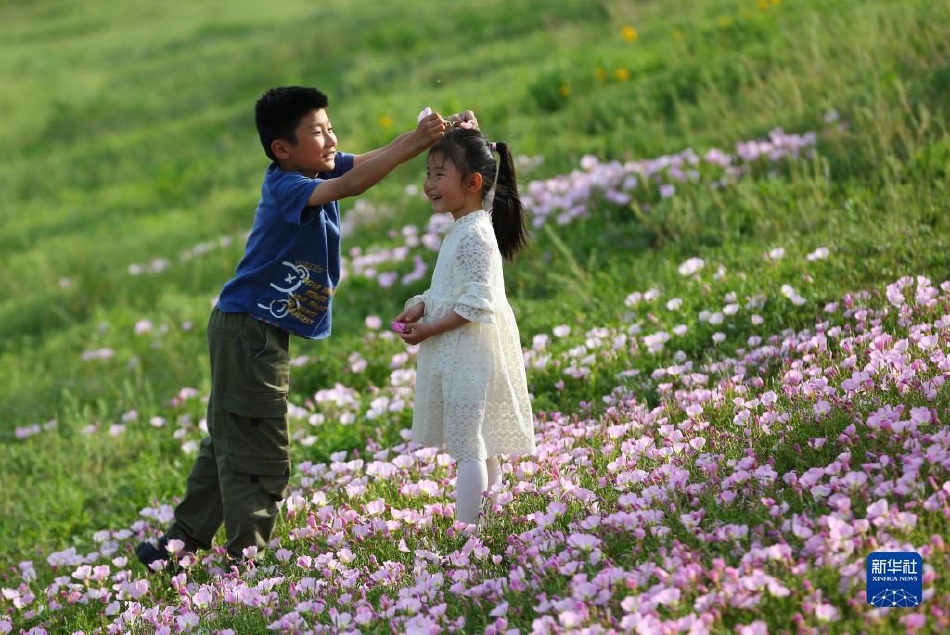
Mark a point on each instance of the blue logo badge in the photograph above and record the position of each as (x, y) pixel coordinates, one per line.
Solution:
(895, 578)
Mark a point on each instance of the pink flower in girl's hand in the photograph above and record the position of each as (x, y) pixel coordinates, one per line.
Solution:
(399, 327)
(425, 113)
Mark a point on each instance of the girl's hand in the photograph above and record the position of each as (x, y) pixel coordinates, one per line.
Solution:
(412, 314)
(417, 333)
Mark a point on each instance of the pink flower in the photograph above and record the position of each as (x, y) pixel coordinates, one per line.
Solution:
(920, 415)
(757, 627)
(376, 507)
(827, 613)
(877, 509)
(175, 546)
(914, 621)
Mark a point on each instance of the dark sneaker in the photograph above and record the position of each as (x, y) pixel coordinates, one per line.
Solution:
(148, 552)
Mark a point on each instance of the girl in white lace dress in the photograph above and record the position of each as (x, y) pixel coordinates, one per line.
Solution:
(471, 394)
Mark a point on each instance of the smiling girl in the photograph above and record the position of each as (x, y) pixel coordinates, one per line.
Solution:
(471, 393)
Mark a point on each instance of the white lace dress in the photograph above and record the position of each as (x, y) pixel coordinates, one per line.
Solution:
(471, 393)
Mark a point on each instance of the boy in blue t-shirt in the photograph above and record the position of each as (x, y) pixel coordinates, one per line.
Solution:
(283, 285)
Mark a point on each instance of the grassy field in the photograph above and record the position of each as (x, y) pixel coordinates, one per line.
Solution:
(731, 308)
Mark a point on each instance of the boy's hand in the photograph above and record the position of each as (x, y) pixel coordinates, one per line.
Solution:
(428, 131)
(464, 119)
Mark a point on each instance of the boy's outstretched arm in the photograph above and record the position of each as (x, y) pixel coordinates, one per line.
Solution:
(370, 172)
(462, 117)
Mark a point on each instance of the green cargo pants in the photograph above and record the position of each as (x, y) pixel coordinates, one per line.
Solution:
(243, 465)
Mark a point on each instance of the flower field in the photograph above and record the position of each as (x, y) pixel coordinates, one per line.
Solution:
(753, 486)
(734, 313)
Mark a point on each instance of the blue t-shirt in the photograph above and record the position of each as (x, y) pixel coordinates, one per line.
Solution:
(291, 263)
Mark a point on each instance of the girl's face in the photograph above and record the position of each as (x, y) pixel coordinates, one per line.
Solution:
(446, 189)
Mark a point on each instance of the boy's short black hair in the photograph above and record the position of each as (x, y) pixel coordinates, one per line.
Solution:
(279, 111)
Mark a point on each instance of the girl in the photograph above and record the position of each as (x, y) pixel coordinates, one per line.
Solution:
(471, 394)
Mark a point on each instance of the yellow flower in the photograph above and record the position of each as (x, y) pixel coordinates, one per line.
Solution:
(386, 121)
(564, 90)
(677, 34)
(763, 4)
(629, 33)
(775, 2)
(724, 22)
(622, 74)
(600, 73)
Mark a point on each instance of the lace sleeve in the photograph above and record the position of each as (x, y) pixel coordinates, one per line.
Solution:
(474, 260)
(414, 300)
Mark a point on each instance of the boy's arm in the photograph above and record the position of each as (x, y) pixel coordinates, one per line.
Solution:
(464, 116)
(370, 172)
(366, 156)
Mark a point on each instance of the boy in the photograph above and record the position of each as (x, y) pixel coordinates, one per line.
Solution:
(283, 285)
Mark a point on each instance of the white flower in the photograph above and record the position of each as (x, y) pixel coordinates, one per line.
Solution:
(691, 266)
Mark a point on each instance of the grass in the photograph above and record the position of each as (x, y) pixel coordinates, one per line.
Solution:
(129, 137)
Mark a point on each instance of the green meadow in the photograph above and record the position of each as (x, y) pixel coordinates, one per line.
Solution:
(130, 170)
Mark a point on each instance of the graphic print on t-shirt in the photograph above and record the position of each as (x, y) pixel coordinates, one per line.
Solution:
(299, 296)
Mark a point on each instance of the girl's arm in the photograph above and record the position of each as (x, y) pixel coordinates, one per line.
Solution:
(419, 332)
(415, 310)
(473, 257)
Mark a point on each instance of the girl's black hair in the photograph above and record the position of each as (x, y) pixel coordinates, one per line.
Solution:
(471, 152)
(278, 112)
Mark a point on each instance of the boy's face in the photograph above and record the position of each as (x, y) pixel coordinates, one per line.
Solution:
(315, 150)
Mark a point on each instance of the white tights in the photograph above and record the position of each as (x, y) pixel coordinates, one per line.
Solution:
(474, 477)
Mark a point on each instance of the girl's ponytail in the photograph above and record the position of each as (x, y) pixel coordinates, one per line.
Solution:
(508, 213)
(471, 152)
